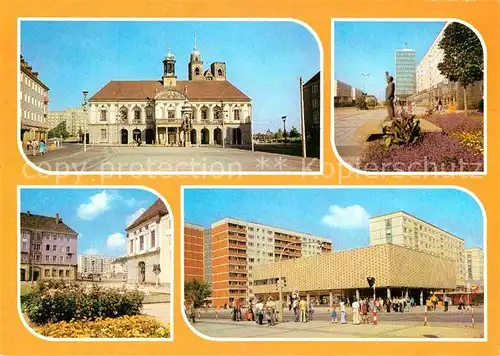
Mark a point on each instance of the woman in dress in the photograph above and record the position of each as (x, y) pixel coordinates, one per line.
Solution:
(343, 319)
(42, 147)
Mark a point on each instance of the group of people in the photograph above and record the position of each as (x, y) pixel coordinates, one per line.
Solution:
(34, 146)
(400, 304)
(302, 310)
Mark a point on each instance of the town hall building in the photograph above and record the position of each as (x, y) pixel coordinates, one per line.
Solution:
(203, 110)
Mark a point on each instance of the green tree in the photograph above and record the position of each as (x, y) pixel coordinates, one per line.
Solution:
(463, 60)
(196, 292)
(294, 132)
(361, 103)
(279, 134)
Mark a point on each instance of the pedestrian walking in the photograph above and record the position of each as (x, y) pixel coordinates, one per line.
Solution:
(335, 311)
(34, 146)
(364, 311)
(259, 307)
(343, 319)
(303, 310)
(355, 312)
(412, 302)
(191, 311)
(446, 301)
(271, 311)
(310, 311)
(296, 309)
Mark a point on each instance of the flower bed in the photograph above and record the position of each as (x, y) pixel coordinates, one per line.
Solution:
(139, 326)
(52, 302)
(459, 148)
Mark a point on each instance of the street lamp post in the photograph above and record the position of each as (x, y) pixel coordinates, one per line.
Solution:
(365, 76)
(280, 281)
(84, 105)
(284, 128)
(302, 120)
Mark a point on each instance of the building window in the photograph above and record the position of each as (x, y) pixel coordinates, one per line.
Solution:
(141, 243)
(315, 89)
(103, 134)
(315, 103)
(46, 273)
(54, 248)
(47, 247)
(153, 237)
(204, 113)
(54, 258)
(47, 258)
(103, 115)
(137, 114)
(61, 259)
(171, 114)
(315, 118)
(236, 114)
(131, 246)
(67, 273)
(61, 273)
(68, 249)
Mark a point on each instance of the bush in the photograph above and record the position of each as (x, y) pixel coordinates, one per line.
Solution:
(404, 130)
(64, 302)
(361, 103)
(139, 326)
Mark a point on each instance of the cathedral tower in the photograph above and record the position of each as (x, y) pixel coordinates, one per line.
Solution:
(169, 77)
(195, 66)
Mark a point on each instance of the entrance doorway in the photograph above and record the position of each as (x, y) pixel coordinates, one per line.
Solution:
(205, 137)
(136, 134)
(193, 136)
(237, 136)
(23, 274)
(218, 136)
(142, 272)
(150, 136)
(172, 136)
(124, 136)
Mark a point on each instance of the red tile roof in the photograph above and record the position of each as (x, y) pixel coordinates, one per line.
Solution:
(158, 208)
(144, 89)
(44, 223)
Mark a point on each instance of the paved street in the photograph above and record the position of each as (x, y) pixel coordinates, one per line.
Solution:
(170, 159)
(161, 311)
(453, 324)
(352, 126)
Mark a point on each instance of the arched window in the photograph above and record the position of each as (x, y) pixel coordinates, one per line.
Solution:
(204, 113)
(123, 114)
(197, 71)
(236, 114)
(149, 112)
(219, 72)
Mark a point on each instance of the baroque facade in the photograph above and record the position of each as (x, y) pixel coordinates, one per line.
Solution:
(149, 253)
(203, 110)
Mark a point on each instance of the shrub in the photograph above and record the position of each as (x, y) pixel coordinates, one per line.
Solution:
(401, 131)
(361, 103)
(74, 302)
(139, 326)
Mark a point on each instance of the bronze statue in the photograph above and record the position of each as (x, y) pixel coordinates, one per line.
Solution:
(389, 94)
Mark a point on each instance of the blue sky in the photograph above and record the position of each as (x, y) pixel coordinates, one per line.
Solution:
(368, 47)
(338, 214)
(263, 59)
(98, 215)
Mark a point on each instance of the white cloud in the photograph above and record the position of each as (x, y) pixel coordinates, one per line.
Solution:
(350, 217)
(91, 251)
(116, 240)
(134, 216)
(131, 202)
(97, 204)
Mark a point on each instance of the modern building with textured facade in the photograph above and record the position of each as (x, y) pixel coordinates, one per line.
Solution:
(207, 256)
(401, 228)
(312, 114)
(149, 240)
(405, 76)
(48, 248)
(397, 270)
(475, 264)
(237, 246)
(432, 85)
(34, 100)
(158, 111)
(193, 252)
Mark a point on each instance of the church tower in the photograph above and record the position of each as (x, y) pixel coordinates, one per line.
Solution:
(195, 66)
(169, 77)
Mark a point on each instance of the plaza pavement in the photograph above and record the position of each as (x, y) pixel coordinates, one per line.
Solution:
(352, 126)
(452, 324)
(170, 159)
(160, 311)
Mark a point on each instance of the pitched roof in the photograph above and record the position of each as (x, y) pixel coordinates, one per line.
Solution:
(144, 89)
(315, 78)
(158, 208)
(46, 223)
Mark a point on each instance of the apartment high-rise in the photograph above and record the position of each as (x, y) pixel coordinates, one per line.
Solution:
(401, 228)
(96, 265)
(405, 77)
(475, 264)
(193, 252)
(238, 245)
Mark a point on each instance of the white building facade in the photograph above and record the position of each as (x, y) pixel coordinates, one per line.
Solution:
(401, 228)
(149, 249)
(342, 92)
(475, 265)
(157, 111)
(96, 265)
